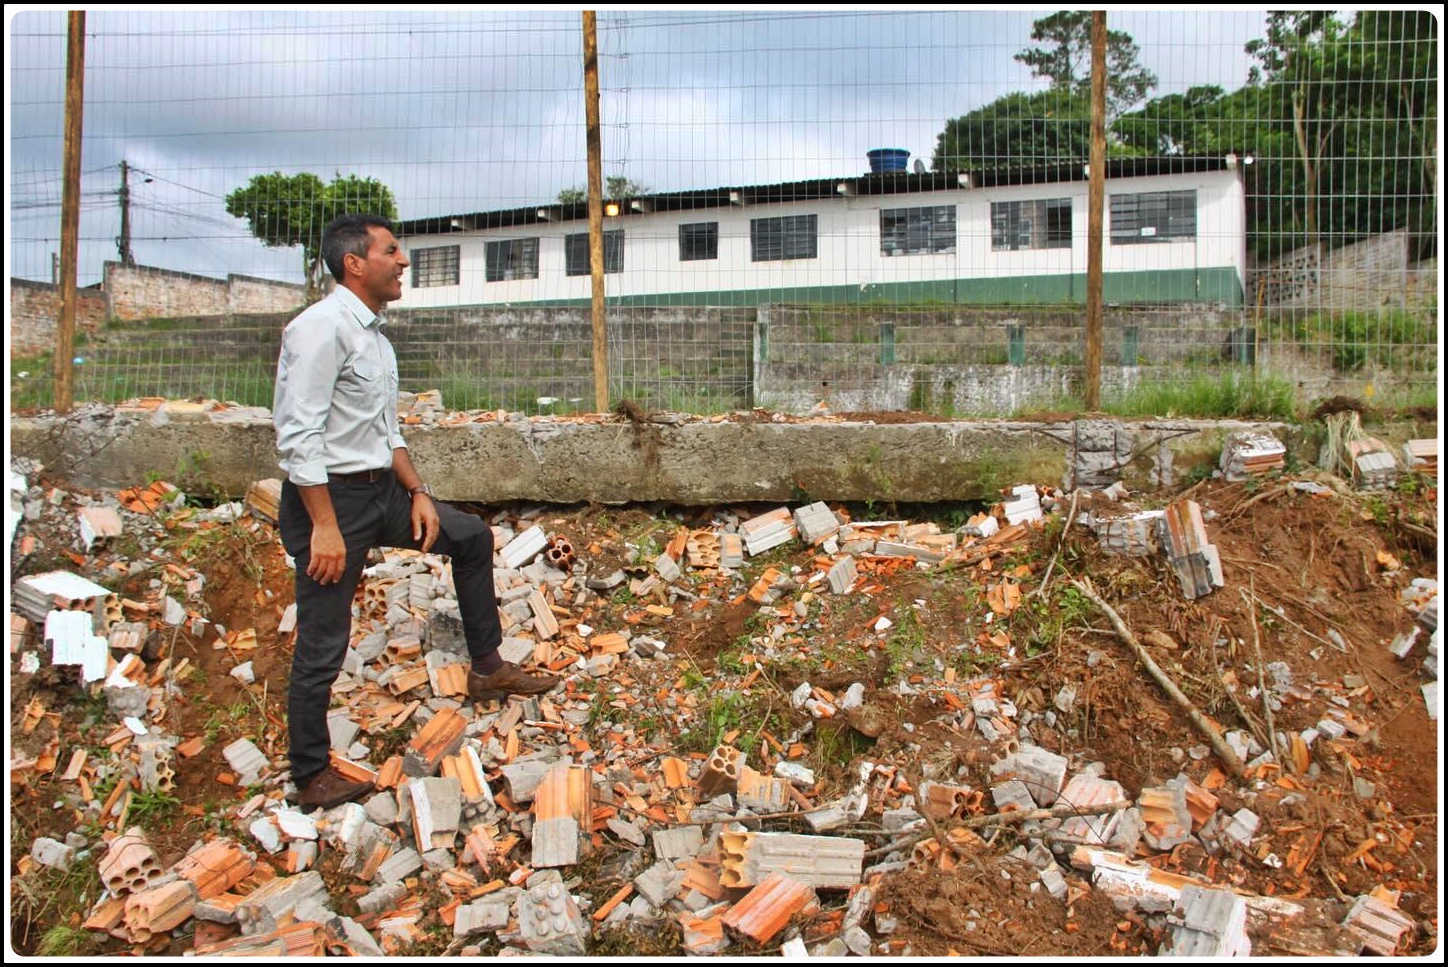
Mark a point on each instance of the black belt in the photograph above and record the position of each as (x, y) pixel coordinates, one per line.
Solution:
(361, 476)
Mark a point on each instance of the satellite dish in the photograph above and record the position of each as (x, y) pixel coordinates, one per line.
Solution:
(919, 166)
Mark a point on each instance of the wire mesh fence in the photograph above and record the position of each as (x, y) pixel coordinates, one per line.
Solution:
(864, 210)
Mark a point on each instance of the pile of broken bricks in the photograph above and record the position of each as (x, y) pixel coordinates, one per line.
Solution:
(490, 809)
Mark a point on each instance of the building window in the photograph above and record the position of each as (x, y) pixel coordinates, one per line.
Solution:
(575, 251)
(788, 237)
(1153, 216)
(513, 258)
(435, 266)
(698, 241)
(917, 231)
(1042, 223)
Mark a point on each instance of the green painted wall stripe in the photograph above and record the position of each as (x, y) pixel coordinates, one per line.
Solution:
(1163, 286)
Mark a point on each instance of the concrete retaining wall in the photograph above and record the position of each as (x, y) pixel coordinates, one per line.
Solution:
(681, 459)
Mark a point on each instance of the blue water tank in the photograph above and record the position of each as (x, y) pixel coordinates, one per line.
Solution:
(887, 159)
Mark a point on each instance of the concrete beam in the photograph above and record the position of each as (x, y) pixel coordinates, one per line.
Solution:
(678, 459)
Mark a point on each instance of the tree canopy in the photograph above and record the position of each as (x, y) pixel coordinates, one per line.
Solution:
(1340, 115)
(1066, 61)
(287, 210)
(615, 186)
(1017, 131)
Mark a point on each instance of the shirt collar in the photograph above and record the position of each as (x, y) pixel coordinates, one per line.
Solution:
(357, 307)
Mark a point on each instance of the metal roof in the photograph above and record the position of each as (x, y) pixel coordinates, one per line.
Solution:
(885, 183)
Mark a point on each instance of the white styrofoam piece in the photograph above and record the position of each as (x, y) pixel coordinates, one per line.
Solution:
(66, 585)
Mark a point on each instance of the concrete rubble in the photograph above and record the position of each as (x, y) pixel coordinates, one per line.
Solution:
(1251, 455)
(494, 808)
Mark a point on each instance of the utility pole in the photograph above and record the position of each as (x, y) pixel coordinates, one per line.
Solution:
(70, 209)
(124, 242)
(595, 208)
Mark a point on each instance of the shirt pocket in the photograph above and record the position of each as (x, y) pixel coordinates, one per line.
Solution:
(361, 379)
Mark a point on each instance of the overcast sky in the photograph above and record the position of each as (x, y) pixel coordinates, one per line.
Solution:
(462, 111)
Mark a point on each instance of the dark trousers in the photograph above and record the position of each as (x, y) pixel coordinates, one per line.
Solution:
(369, 515)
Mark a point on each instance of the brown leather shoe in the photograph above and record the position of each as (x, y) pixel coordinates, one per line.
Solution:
(508, 680)
(330, 788)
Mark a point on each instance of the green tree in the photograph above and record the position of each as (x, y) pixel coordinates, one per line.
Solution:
(1066, 60)
(1176, 124)
(1302, 65)
(1350, 113)
(287, 210)
(1021, 130)
(1017, 131)
(1399, 68)
(614, 187)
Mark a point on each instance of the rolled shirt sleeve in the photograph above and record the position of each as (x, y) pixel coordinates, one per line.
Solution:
(307, 370)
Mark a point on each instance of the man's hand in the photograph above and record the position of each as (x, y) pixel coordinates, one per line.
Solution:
(425, 523)
(329, 555)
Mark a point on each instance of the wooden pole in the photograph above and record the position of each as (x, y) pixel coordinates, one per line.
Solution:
(123, 243)
(595, 209)
(70, 211)
(1095, 204)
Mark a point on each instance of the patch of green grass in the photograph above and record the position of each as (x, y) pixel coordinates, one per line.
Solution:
(63, 940)
(1392, 338)
(836, 747)
(1227, 395)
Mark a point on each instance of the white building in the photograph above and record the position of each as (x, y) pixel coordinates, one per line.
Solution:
(1175, 232)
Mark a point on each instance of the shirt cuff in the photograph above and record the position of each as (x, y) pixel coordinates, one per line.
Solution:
(309, 474)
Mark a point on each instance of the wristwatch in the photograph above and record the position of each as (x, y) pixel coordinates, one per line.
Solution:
(420, 489)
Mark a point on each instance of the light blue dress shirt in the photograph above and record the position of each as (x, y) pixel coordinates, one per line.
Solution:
(335, 406)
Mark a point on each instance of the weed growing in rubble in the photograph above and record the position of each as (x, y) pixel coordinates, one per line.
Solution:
(151, 806)
(1377, 508)
(1410, 484)
(63, 940)
(635, 943)
(49, 895)
(836, 747)
(969, 663)
(725, 714)
(906, 641)
(1065, 607)
(729, 660)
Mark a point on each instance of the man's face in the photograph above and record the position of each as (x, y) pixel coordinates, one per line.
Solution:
(380, 280)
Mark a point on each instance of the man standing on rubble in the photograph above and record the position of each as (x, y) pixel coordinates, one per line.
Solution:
(351, 486)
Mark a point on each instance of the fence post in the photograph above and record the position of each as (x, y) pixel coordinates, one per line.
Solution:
(595, 210)
(1095, 203)
(70, 212)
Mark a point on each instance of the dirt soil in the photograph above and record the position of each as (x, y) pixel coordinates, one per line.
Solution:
(1313, 595)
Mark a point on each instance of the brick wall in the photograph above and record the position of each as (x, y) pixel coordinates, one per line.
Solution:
(34, 309)
(143, 292)
(250, 295)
